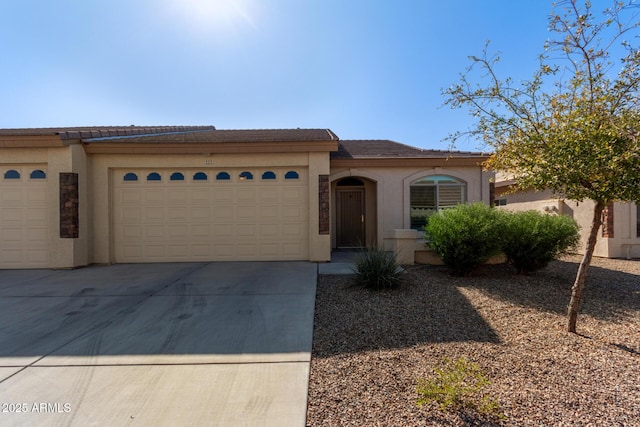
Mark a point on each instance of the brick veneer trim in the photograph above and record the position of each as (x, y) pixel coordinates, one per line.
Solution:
(323, 205)
(69, 212)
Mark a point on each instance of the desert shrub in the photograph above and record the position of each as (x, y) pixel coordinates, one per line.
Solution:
(531, 239)
(457, 386)
(377, 269)
(465, 236)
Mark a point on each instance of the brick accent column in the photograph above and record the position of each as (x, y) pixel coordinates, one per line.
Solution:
(607, 221)
(324, 226)
(69, 228)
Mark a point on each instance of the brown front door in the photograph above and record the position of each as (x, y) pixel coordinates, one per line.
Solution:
(350, 221)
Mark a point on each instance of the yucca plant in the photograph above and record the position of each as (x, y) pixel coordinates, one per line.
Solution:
(377, 269)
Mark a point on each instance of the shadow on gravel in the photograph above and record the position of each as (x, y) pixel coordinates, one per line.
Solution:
(609, 295)
(350, 319)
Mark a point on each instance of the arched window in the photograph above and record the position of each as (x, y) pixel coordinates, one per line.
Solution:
(12, 174)
(223, 176)
(268, 175)
(154, 176)
(433, 193)
(199, 176)
(130, 177)
(246, 176)
(38, 174)
(177, 176)
(291, 175)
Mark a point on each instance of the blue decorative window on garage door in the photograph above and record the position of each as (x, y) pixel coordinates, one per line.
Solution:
(177, 176)
(269, 175)
(130, 177)
(38, 174)
(154, 176)
(433, 193)
(291, 175)
(200, 176)
(223, 176)
(12, 174)
(246, 176)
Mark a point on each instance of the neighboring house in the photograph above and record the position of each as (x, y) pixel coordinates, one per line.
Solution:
(76, 196)
(620, 233)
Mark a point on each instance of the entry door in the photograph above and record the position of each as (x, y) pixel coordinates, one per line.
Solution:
(350, 224)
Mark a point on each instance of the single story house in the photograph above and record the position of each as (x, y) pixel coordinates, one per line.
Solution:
(620, 232)
(76, 196)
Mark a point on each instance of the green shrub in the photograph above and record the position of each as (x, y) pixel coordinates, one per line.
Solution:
(465, 236)
(377, 269)
(531, 239)
(457, 387)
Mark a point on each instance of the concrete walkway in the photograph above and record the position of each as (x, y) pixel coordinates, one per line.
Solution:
(341, 262)
(216, 344)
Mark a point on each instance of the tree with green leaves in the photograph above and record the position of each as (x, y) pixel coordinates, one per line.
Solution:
(573, 127)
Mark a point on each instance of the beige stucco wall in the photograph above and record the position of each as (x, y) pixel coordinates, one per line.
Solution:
(624, 220)
(101, 191)
(393, 192)
(63, 253)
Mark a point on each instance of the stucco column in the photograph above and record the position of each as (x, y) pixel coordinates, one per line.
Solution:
(67, 250)
(319, 242)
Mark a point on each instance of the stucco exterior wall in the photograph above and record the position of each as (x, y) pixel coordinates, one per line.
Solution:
(393, 192)
(612, 247)
(63, 252)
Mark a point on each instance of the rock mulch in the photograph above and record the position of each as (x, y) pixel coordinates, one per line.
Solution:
(370, 348)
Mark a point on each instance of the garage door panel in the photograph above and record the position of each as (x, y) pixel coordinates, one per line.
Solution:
(222, 194)
(246, 214)
(37, 234)
(37, 256)
(153, 214)
(131, 232)
(131, 214)
(210, 220)
(270, 195)
(292, 249)
(37, 215)
(24, 219)
(12, 215)
(8, 234)
(177, 196)
(35, 195)
(155, 196)
(12, 195)
(130, 195)
(180, 213)
(222, 213)
(199, 213)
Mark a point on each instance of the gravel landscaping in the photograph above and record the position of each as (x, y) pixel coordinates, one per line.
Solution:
(370, 348)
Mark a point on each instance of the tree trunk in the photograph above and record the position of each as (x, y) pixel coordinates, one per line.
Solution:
(578, 285)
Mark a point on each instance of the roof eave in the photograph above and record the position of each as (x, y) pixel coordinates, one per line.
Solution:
(33, 141)
(211, 148)
(409, 161)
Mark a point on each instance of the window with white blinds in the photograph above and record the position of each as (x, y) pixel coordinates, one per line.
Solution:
(432, 193)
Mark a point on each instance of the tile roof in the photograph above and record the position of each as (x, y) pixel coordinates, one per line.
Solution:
(385, 149)
(101, 131)
(224, 136)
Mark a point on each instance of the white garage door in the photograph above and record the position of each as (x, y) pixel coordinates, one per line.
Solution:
(212, 215)
(24, 217)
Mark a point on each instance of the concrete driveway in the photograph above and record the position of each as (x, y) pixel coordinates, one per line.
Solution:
(184, 344)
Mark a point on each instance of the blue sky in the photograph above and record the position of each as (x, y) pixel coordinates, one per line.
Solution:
(365, 69)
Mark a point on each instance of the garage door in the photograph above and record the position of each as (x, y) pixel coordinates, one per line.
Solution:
(24, 217)
(212, 215)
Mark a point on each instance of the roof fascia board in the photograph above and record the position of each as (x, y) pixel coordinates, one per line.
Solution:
(401, 162)
(32, 141)
(213, 148)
